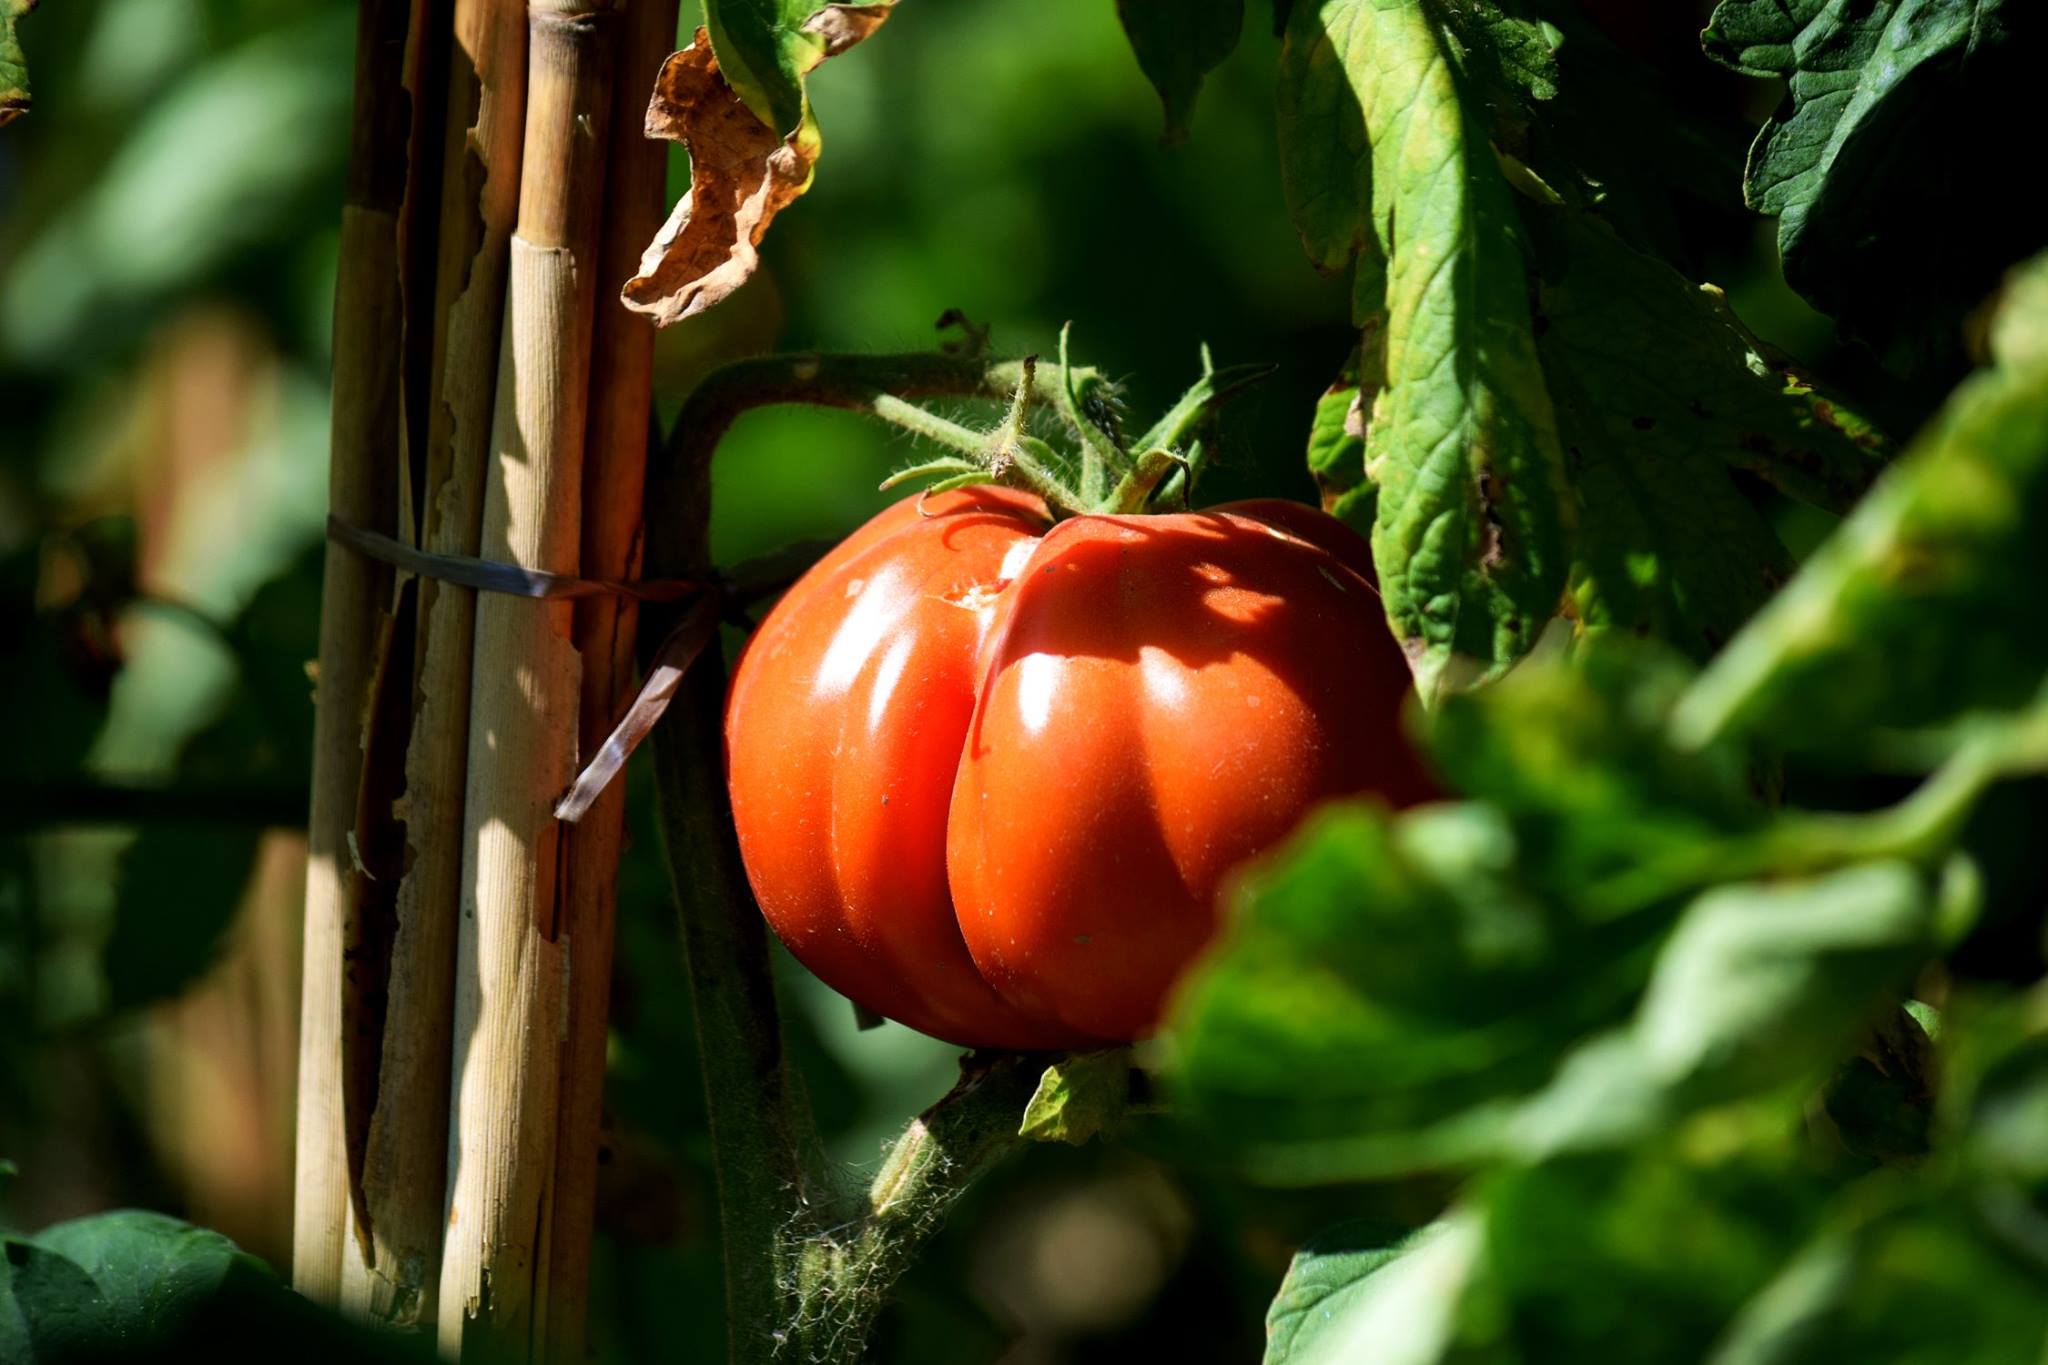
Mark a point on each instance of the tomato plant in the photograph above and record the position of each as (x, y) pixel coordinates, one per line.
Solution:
(989, 773)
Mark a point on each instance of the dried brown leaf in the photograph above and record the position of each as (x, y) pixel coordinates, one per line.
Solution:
(741, 173)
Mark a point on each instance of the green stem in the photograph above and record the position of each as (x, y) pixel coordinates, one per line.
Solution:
(844, 1274)
(794, 1288)
(929, 425)
(1921, 829)
(857, 383)
(1137, 486)
(1100, 457)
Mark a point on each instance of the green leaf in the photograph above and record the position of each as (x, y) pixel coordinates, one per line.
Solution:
(1392, 989)
(1079, 1097)
(1893, 190)
(1505, 51)
(133, 1285)
(1916, 612)
(1386, 161)
(1577, 752)
(1660, 396)
(1380, 977)
(273, 114)
(48, 1305)
(1177, 42)
(1336, 450)
(1881, 1100)
(14, 96)
(1997, 1091)
(765, 48)
(1761, 984)
(152, 1275)
(1640, 1255)
(1349, 1297)
(1918, 1280)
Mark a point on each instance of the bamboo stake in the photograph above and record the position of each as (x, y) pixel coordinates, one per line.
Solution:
(513, 979)
(405, 1159)
(614, 467)
(363, 490)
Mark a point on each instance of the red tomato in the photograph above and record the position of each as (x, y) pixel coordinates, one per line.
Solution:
(989, 772)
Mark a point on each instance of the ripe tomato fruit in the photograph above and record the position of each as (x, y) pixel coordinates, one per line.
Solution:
(989, 772)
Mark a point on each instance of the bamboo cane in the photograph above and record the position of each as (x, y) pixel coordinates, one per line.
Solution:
(405, 1158)
(513, 978)
(614, 466)
(363, 490)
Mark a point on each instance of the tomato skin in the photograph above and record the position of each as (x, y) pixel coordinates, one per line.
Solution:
(989, 777)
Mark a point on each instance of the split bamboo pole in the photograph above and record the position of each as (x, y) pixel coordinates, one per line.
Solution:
(362, 490)
(514, 968)
(406, 1151)
(614, 467)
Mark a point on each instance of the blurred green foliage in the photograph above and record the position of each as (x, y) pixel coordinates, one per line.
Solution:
(168, 220)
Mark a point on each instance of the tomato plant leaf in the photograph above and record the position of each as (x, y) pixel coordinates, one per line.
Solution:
(1760, 984)
(1391, 988)
(47, 1303)
(14, 96)
(1907, 617)
(1660, 395)
(1382, 977)
(1995, 1091)
(1078, 1097)
(1881, 1100)
(1504, 979)
(753, 144)
(1629, 1252)
(1576, 753)
(151, 1274)
(1920, 1276)
(1349, 1297)
(765, 48)
(1177, 43)
(1387, 163)
(134, 1285)
(1895, 207)
(1336, 450)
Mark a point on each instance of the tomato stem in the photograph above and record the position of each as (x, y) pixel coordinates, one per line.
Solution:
(809, 1261)
(1101, 456)
(929, 425)
(1135, 489)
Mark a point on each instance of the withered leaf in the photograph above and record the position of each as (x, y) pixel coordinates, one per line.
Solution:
(742, 171)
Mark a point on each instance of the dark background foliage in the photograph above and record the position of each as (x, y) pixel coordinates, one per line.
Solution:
(168, 220)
